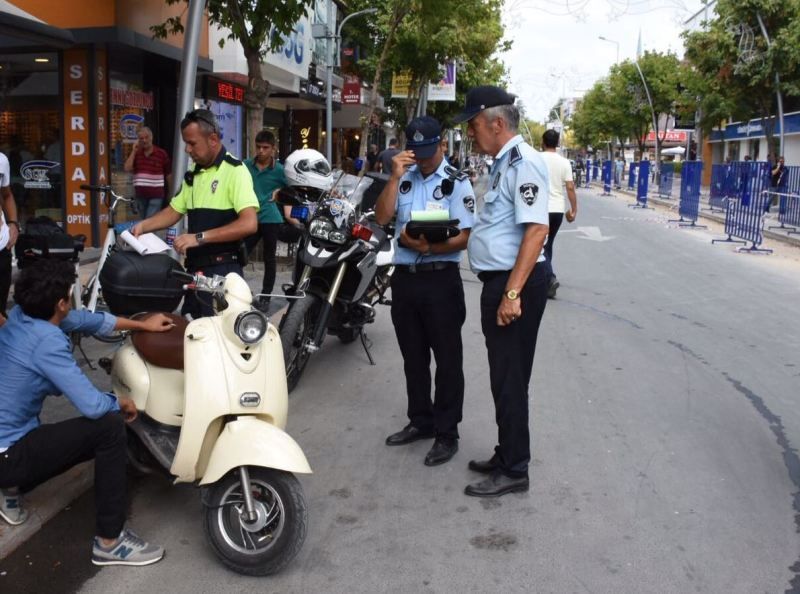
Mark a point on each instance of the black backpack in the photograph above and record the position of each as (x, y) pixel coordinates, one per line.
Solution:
(43, 238)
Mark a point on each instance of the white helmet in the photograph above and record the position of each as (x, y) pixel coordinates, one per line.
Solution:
(307, 168)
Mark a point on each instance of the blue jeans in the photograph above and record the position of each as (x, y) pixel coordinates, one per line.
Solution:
(148, 206)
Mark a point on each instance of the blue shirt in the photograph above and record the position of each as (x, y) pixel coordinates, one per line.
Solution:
(425, 193)
(518, 195)
(36, 361)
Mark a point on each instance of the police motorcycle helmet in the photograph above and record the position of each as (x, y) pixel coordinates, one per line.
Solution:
(308, 173)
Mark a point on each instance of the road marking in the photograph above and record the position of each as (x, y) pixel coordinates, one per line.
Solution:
(590, 233)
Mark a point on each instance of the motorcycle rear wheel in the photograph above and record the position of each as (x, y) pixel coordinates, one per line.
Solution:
(267, 545)
(297, 329)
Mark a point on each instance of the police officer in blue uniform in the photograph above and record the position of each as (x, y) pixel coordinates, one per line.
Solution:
(505, 250)
(428, 308)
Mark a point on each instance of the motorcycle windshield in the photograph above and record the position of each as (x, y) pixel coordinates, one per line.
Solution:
(350, 187)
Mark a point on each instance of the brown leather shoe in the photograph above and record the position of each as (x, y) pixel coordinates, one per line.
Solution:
(444, 448)
(408, 434)
(497, 484)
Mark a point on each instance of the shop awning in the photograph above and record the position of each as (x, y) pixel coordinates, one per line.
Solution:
(21, 29)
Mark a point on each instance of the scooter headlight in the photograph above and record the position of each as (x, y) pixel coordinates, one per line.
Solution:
(250, 326)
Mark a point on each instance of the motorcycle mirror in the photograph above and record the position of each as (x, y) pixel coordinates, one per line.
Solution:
(288, 197)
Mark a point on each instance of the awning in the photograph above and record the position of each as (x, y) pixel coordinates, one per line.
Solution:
(22, 31)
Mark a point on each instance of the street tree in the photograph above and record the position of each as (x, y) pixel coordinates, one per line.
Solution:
(259, 26)
(735, 72)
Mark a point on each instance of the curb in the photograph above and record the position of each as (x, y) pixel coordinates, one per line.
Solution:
(707, 215)
(45, 502)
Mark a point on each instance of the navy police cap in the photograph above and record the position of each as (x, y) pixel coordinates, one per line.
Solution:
(423, 135)
(481, 98)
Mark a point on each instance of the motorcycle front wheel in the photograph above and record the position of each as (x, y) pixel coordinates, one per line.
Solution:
(297, 330)
(268, 544)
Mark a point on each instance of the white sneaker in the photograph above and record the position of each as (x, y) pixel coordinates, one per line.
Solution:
(11, 509)
(128, 549)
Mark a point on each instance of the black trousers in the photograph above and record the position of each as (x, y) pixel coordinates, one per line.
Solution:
(50, 450)
(268, 232)
(556, 218)
(5, 278)
(200, 305)
(428, 312)
(511, 349)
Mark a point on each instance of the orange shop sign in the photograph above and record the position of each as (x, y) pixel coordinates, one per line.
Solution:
(76, 139)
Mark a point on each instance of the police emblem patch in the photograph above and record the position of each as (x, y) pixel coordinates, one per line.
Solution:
(437, 193)
(214, 185)
(469, 203)
(529, 193)
(496, 180)
(418, 137)
(405, 187)
(336, 207)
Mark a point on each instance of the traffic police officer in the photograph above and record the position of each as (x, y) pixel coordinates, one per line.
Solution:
(218, 198)
(505, 250)
(428, 307)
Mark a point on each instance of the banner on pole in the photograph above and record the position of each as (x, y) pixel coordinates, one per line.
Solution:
(445, 88)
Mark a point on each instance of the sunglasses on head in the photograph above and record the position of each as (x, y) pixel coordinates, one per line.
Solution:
(202, 115)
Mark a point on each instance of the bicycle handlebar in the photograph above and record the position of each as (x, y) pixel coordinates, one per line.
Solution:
(95, 188)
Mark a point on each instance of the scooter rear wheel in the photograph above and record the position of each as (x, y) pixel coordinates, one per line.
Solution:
(268, 544)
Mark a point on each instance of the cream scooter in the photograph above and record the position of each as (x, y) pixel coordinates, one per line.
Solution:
(212, 404)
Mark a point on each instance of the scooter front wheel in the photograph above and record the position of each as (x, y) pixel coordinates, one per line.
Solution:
(269, 543)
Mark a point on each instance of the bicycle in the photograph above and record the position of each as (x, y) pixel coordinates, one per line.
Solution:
(90, 296)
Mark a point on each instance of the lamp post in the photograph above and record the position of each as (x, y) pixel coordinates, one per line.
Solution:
(334, 35)
(611, 41)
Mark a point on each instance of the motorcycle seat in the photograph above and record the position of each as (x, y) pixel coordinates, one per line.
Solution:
(162, 349)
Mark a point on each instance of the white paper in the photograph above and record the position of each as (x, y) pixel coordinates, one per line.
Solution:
(149, 243)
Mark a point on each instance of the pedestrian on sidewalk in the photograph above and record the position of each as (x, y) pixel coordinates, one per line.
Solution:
(9, 231)
(152, 173)
(428, 308)
(35, 361)
(560, 173)
(268, 176)
(384, 161)
(505, 250)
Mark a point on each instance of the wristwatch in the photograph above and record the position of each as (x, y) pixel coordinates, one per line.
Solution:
(512, 294)
(200, 237)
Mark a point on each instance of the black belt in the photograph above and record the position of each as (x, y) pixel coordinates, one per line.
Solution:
(487, 275)
(425, 267)
(212, 260)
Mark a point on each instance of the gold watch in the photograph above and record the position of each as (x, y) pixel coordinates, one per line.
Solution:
(512, 294)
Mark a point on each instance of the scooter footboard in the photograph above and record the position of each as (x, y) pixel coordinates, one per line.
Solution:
(249, 441)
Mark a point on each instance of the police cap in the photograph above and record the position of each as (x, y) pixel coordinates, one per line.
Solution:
(423, 136)
(481, 98)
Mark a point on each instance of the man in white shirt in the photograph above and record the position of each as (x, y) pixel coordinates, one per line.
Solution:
(9, 230)
(560, 177)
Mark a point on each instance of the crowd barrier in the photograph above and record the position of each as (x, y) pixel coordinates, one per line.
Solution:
(632, 175)
(606, 178)
(789, 186)
(641, 186)
(744, 219)
(665, 178)
(689, 207)
(595, 170)
(716, 200)
(788, 213)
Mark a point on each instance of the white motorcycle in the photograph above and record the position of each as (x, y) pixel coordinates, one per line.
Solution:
(212, 403)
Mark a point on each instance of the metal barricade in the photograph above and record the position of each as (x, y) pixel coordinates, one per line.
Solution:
(689, 207)
(606, 178)
(744, 219)
(789, 213)
(641, 186)
(665, 177)
(716, 199)
(595, 170)
(790, 186)
(632, 175)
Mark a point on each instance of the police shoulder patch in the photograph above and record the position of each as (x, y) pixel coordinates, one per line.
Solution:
(455, 173)
(469, 203)
(529, 193)
(405, 187)
(514, 156)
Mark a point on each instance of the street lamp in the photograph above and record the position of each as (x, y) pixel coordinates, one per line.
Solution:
(611, 41)
(333, 42)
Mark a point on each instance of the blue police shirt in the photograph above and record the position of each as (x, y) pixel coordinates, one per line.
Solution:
(35, 361)
(425, 193)
(518, 194)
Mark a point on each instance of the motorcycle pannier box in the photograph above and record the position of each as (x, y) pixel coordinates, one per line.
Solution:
(133, 283)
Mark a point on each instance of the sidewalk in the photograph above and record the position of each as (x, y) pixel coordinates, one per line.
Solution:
(717, 216)
(47, 500)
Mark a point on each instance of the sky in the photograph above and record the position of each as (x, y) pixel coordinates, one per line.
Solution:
(555, 47)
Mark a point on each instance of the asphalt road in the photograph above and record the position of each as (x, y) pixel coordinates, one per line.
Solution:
(665, 429)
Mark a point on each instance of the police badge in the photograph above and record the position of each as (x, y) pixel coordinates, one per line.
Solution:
(529, 193)
(405, 187)
(437, 193)
(418, 137)
(214, 185)
(469, 204)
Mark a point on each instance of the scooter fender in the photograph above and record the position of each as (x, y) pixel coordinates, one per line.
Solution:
(249, 441)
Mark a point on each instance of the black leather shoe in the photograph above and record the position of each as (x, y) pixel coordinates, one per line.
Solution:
(409, 434)
(497, 484)
(483, 466)
(443, 449)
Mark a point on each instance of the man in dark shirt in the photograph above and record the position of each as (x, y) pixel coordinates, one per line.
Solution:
(385, 157)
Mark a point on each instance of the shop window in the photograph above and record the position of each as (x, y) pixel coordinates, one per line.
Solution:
(30, 132)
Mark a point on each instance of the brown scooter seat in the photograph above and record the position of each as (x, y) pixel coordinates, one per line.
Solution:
(162, 349)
